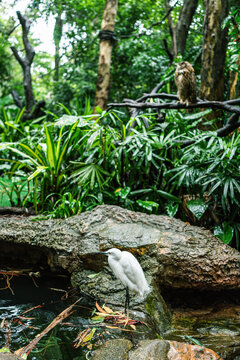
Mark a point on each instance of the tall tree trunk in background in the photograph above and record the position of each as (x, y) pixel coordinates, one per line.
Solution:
(234, 90)
(213, 50)
(179, 32)
(26, 62)
(184, 21)
(106, 44)
(57, 35)
(172, 30)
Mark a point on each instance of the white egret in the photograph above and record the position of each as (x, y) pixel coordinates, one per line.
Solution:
(128, 270)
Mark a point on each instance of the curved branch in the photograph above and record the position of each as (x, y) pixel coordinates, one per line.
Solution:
(173, 105)
(224, 131)
(17, 56)
(25, 23)
(228, 106)
(26, 62)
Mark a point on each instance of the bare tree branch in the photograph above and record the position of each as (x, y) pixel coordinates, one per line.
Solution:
(138, 35)
(26, 62)
(185, 19)
(173, 105)
(25, 23)
(17, 56)
(16, 99)
(229, 106)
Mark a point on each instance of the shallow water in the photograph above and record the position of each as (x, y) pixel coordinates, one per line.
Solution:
(58, 343)
(50, 295)
(210, 318)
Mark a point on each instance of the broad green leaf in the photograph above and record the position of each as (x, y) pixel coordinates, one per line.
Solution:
(92, 276)
(123, 192)
(171, 208)
(225, 233)
(59, 142)
(24, 155)
(194, 341)
(98, 109)
(51, 151)
(97, 319)
(168, 196)
(68, 120)
(197, 115)
(197, 207)
(149, 205)
(40, 169)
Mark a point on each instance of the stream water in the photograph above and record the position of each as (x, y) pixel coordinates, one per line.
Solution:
(209, 318)
(212, 320)
(47, 297)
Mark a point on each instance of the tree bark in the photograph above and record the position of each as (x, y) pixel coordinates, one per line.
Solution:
(179, 32)
(106, 44)
(185, 19)
(213, 50)
(234, 80)
(172, 30)
(26, 62)
(57, 35)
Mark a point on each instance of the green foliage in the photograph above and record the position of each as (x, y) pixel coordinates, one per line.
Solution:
(15, 189)
(225, 233)
(211, 166)
(197, 207)
(44, 163)
(12, 128)
(80, 161)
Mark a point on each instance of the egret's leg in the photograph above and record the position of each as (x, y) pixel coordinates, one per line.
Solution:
(127, 300)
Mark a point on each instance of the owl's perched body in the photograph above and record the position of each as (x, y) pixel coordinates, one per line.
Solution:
(185, 80)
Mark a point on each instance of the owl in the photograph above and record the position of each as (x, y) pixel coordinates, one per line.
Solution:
(185, 80)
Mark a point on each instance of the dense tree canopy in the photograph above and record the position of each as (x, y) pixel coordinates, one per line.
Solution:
(148, 37)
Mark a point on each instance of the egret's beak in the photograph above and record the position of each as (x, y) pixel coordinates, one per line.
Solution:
(101, 252)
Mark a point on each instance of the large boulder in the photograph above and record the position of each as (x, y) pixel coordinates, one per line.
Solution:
(173, 253)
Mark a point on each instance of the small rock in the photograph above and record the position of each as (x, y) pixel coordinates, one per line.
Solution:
(8, 356)
(183, 351)
(116, 349)
(150, 350)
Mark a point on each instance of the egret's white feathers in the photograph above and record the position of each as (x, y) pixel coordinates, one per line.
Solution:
(128, 270)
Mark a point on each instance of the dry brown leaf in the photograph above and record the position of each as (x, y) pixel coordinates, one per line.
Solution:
(26, 318)
(107, 309)
(111, 327)
(100, 309)
(2, 323)
(101, 314)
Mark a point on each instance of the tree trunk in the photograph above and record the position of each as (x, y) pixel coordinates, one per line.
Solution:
(234, 80)
(172, 30)
(106, 44)
(213, 50)
(57, 35)
(185, 19)
(179, 32)
(26, 62)
(30, 101)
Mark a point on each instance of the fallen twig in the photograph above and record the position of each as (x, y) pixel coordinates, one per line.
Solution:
(63, 315)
